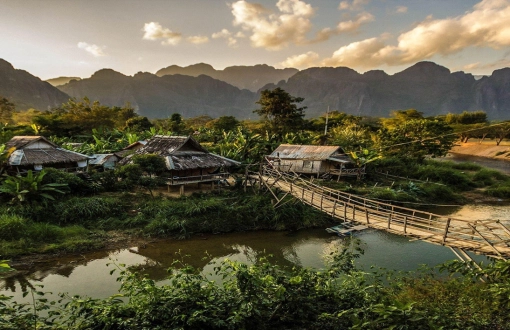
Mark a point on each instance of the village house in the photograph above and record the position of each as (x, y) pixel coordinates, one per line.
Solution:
(186, 160)
(314, 160)
(103, 161)
(37, 152)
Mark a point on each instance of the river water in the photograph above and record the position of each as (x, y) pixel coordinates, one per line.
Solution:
(88, 274)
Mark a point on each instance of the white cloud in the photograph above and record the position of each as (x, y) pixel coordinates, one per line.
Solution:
(353, 25)
(92, 49)
(501, 63)
(226, 34)
(222, 34)
(487, 25)
(401, 9)
(154, 31)
(274, 31)
(197, 39)
(301, 61)
(353, 5)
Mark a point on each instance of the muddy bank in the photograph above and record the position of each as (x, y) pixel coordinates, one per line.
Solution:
(484, 149)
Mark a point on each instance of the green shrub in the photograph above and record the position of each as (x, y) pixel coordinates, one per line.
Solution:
(500, 192)
(12, 227)
(44, 232)
(440, 193)
(76, 185)
(80, 210)
(451, 177)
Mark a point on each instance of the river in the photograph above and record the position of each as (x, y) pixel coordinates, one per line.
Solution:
(88, 274)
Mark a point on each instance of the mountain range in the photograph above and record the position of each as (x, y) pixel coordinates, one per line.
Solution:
(200, 89)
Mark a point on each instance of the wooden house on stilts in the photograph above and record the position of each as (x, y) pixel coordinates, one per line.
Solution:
(186, 160)
(314, 160)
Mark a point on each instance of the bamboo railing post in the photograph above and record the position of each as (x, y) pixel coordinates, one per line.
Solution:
(405, 224)
(446, 229)
(366, 216)
(322, 197)
(389, 220)
(345, 212)
(354, 212)
(334, 209)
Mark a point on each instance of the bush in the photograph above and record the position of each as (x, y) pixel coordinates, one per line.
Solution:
(451, 177)
(440, 193)
(486, 177)
(12, 227)
(500, 192)
(76, 185)
(81, 210)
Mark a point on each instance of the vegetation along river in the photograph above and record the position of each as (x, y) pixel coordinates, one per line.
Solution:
(89, 274)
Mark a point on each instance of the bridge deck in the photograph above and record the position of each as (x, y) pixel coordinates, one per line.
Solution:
(488, 237)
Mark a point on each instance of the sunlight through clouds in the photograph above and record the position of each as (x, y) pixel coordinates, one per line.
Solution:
(302, 61)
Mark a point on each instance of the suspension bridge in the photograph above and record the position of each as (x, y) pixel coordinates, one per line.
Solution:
(487, 237)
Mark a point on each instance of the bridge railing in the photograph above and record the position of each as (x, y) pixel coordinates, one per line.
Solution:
(434, 227)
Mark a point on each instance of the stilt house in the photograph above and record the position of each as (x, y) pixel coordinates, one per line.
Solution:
(186, 160)
(313, 160)
(37, 152)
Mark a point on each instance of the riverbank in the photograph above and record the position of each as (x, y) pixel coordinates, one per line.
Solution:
(484, 149)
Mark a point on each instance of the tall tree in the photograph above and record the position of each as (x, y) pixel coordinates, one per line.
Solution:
(280, 112)
(416, 139)
(6, 111)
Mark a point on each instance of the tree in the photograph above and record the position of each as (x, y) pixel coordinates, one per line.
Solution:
(224, 123)
(6, 111)
(416, 139)
(138, 124)
(280, 112)
(30, 187)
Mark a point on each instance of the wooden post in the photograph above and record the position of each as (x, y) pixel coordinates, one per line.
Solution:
(366, 215)
(245, 178)
(345, 212)
(446, 229)
(181, 190)
(389, 220)
(322, 197)
(354, 212)
(405, 224)
(334, 209)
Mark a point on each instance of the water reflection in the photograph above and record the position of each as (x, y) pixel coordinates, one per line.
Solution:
(89, 274)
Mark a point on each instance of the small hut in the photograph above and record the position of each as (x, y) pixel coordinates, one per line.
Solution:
(314, 160)
(186, 160)
(103, 161)
(37, 152)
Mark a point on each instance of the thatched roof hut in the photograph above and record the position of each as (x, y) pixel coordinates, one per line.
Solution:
(186, 160)
(36, 152)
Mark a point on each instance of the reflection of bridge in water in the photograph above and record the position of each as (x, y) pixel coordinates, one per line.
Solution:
(487, 237)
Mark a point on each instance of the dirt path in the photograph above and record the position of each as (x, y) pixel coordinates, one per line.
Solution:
(485, 149)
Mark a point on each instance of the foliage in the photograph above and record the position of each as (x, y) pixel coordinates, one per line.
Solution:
(138, 124)
(279, 111)
(30, 187)
(81, 117)
(152, 164)
(467, 118)
(6, 111)
(416, 139)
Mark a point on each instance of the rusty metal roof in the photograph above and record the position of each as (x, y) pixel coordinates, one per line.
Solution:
(292, 151)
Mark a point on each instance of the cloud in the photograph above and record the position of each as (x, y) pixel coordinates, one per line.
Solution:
(350, 26)
(301, 61)
(485, 26)
(92, 49)
(197, 39)
(353, 5)
(274, 31)
(226, 34)
(154, 31)
(401, 9)
(504, 62)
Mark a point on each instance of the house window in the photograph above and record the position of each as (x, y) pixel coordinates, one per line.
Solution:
(307, 164)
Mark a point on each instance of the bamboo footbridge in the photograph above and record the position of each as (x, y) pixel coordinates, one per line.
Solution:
(487, 237)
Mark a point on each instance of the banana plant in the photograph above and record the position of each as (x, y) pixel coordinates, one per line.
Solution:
(30, 187)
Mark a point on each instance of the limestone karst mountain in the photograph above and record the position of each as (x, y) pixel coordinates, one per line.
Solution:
(27, 91)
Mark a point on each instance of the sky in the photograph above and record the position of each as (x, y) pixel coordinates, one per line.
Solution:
(54, 38)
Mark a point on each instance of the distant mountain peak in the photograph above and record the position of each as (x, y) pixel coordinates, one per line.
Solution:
(107, 73)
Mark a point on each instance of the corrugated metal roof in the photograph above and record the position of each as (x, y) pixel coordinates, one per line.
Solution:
(44, 156)
(292, 151)
(100, 159)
